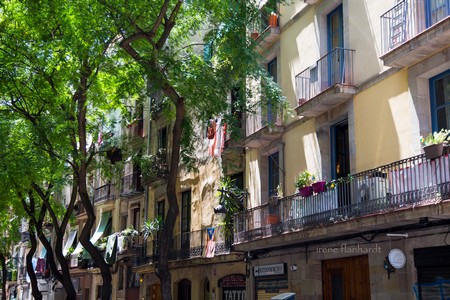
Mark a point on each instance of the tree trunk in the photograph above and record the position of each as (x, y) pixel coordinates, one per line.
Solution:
(62, 276)
(80, 98)
(165, 240)
(37, 295)
(4, 275)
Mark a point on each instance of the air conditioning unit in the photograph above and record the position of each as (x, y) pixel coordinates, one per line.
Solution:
(371, 188)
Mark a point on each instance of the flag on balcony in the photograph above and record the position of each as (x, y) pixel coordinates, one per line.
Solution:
(218, 132)
(210, 244)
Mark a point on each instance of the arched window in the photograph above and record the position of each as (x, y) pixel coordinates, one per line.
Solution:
(184, 289)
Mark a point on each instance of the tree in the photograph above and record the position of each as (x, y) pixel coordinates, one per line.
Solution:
(166, 38)
(59, 76)
(66, 62)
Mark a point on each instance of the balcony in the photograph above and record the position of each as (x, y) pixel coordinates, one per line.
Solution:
(413, 30)
(326, 84)
(79, 209)
(267, 32)
(136, 128)
(262, 128)
(194, 244)
(104, 193)
(131, 185)
(155, 168)
(393, 195)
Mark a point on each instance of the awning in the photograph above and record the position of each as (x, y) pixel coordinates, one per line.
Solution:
(98, 232)
(69, 242)
(101, 227)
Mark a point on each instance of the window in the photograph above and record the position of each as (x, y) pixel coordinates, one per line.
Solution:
(160, 212)
(208, 51)
(440, 101)
(271, 111)
(236, 107)
(162, 138)
(335, 59)
(136, 218)
(274, 173)
(335, 29)
(185, 223)
(436, 11)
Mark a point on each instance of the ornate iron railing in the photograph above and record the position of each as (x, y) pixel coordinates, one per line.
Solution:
(408, 18)
(336, 67)
(105, 192)
(187, 245)
(131, 184)
(398, 185)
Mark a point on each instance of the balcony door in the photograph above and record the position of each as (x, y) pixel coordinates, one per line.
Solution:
(340, 159)
(436, 11)
(440, 101)
(274, 173)
(271, 110)
(185, 223)
(335, 61)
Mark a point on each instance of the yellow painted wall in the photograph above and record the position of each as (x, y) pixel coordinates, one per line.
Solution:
(298, 50)
(301, 143)
(385, 120)
(364, 36)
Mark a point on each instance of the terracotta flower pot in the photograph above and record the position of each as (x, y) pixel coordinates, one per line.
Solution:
(306, 191)
(273, 20)
(273, 219)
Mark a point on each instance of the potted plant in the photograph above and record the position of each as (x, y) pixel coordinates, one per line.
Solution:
(319, 186)
(304, 183)
(433, 144)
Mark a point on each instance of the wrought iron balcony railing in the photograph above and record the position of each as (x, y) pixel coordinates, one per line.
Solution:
(399, 185)
(187, 245)
(408, 18)
(157, 167)
(131, 184)
(334, 68)
(105, 192)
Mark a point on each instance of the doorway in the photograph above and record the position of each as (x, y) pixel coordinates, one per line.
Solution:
(346, 278)
(340, 160)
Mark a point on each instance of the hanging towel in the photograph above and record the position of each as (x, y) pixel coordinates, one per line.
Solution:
(111, 249)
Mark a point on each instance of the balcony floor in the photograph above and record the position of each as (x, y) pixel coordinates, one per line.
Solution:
(427, 43)
(326, 100)
(382, 221)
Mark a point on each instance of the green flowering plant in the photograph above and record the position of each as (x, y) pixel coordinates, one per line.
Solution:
(443, 136)
(130, 231)
(305, 178)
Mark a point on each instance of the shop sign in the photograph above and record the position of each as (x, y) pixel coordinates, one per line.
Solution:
(233, 294)
(269, 270)
(272, 284)
(232, 281)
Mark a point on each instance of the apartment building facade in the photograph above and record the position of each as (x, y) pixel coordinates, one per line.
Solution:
(365, 79)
